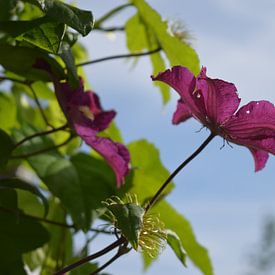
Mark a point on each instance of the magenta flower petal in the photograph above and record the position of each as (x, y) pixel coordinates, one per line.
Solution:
(257, 118)
(86, 116)
(184, 82)
(114, 153)
(182, 113)
(220, 97)
(260, 159)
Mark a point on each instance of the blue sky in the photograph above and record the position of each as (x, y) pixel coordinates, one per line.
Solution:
(219, 192)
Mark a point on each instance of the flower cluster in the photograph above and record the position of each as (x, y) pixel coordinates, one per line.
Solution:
(214, 103)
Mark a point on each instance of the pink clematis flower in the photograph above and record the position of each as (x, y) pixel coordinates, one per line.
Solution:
(214, 103)
(85, 115)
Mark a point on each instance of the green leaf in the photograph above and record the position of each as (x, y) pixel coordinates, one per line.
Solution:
(22, 185)
(61, 178)
(6, 147)
(135, 34)
(16, 28)
(47, 36)
(149, 172)
(20, 60)
(42, 91)
(96, 179)
(80, 20)
(177, 223)
(129, 219)
(159, 66)
(178, 52)
(58, 174)
(59, 244)
(18, 234)
(7, 112)
(175, 243)
(138, 38)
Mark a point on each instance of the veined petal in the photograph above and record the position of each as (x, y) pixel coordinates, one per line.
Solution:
(182, 113)
(220, 98)
(255, 120)
(184, 82)
(260, 158)
(116, 155)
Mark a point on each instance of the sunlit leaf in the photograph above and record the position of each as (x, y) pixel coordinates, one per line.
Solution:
(148, 170)
(136, 34)
(177, 223)
(7, 112)
(178, 52)
(175, 243)
(140, 37)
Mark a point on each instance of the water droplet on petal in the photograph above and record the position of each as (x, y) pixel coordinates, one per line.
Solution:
(198, 95)
(248, 111)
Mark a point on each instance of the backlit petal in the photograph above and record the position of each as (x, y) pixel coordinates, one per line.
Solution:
(182, 113)
(255, 120)
(260, 158)
(184, 82)
(116, 155)
(220, 98)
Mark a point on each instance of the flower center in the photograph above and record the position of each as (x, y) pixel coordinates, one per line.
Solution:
(85, 110)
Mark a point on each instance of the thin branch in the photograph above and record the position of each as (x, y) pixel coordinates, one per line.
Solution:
(100, 253)
(121, 251)
(118, 57)
(60, 224)
(39, 106)
(24, 82)
(44, 150)
(110, 29)
(63, 127)
(29, 84)
(16, 212)
(110, 14)
(177, 170)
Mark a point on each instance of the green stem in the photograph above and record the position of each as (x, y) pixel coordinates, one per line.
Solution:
(98, 254)
(63, 127)
(109, 29)
(43, 150)
(118, 56)
(110, 14)
(24, 82)
(121, 251)
(44, 220)
(177, 170)
(39, 106)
